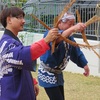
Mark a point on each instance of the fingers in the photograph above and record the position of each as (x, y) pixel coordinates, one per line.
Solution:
(52, 35)
(83, 26)
(36, 88)
(87, 71)
(86, 74)
(54, 29)
(80, 27)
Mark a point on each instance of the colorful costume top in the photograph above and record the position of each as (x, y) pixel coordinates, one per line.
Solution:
(52, 65)
(15, 78)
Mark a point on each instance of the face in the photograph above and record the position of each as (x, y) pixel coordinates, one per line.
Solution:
(67, 24)
(17, 23)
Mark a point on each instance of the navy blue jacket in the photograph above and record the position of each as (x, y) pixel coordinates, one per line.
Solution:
(59, 59)
(15, 66)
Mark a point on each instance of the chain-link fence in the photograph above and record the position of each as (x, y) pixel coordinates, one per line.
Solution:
(47, 12)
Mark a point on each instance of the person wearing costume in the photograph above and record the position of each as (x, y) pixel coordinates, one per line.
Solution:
(50, 71)
(16, 60)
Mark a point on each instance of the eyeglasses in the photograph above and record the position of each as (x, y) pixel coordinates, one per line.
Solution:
(70, 22)
(19, 17)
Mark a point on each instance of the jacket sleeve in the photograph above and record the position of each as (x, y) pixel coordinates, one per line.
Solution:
(38, 48)
(35, 81)
(77, 56)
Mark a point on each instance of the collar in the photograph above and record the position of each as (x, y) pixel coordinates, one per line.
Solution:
(60, 31)
(8, 32)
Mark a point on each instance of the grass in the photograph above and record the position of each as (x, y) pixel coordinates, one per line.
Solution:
(77, 87)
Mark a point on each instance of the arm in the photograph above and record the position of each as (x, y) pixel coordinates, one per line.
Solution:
(87, 70)
(76, 28)
(23, 57)
(40, 47)
(77, 56)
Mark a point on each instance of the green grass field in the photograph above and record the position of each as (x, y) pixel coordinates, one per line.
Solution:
(77, 87)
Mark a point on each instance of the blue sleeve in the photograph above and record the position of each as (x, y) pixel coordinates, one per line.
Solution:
(77, 56)
(45, 34)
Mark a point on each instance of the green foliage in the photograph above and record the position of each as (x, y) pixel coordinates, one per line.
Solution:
(18, 3)
(22, 0)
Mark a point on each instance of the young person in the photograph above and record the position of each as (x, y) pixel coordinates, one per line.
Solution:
(50, 75)
(16, 60)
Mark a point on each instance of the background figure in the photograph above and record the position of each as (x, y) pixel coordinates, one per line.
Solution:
(16, 60)
(50, 75)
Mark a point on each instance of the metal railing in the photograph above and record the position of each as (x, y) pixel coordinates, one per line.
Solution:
(48, 11)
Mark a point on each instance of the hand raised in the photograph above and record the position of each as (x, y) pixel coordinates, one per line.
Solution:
(52, 35)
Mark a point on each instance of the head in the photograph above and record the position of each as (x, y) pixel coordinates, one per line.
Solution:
(66, 21)
(11, 17)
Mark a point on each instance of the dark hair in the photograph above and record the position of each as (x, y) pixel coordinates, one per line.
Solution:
(12, 11)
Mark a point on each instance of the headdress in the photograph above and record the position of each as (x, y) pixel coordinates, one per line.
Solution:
(67, 16)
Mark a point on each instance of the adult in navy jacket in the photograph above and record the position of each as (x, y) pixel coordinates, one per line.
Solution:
(16, 60)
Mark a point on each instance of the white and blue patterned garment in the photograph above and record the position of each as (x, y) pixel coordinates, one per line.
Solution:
(58, 60)
(15, 77)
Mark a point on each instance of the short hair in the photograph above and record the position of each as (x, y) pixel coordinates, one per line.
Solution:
(7, 12)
